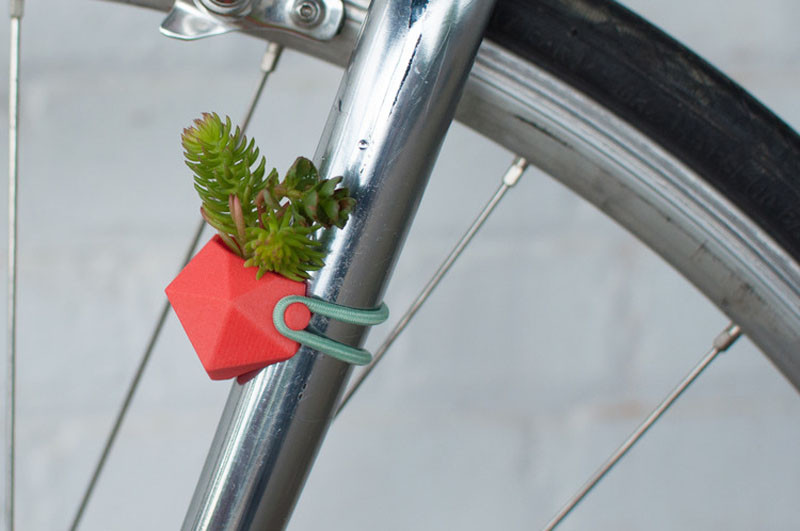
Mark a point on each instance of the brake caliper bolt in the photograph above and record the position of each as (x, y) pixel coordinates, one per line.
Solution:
(307, 12)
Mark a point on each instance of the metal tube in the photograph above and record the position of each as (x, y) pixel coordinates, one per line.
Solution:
(396, 100)
(15, 11)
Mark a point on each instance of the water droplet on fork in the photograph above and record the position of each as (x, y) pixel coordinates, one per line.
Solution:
(363, 144)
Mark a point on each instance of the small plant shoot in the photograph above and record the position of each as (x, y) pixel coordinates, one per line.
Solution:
(269, 222)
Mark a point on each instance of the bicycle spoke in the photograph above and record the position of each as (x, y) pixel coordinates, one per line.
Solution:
(268, 64)
(510, 178)
(15, 13)
(721, 343)
(112, 436)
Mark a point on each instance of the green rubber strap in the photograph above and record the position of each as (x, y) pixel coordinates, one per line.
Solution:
(326, 345)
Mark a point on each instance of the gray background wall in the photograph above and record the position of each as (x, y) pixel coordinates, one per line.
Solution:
(485, 416)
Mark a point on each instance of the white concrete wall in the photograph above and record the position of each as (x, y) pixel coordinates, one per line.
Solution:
(487, 414)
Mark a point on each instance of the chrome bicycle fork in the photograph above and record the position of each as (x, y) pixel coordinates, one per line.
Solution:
(394, 105)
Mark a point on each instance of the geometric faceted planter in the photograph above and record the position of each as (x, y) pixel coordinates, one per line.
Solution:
(227, 313)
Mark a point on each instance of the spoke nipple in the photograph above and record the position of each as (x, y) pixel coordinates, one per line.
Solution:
(727, 337)
(16, 8)
(516, 170)
(271, 56)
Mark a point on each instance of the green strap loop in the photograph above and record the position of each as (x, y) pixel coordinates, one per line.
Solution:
(326, 345)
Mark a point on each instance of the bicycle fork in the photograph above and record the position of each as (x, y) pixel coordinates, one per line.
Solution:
(395, 102)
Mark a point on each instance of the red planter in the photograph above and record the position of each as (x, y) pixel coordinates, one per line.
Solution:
(227, 313)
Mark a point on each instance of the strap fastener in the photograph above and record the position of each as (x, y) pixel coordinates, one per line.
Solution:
(326, 345)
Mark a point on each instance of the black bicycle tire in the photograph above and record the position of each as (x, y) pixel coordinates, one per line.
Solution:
(669, 93)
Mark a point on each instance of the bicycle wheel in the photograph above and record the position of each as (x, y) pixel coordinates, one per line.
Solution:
(482, 110)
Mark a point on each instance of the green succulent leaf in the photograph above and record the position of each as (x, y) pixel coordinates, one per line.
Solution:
(301, 176)
(224, 166)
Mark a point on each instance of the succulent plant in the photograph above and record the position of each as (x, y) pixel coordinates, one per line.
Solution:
(271, 223)
(315, 200)
(278, 246)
